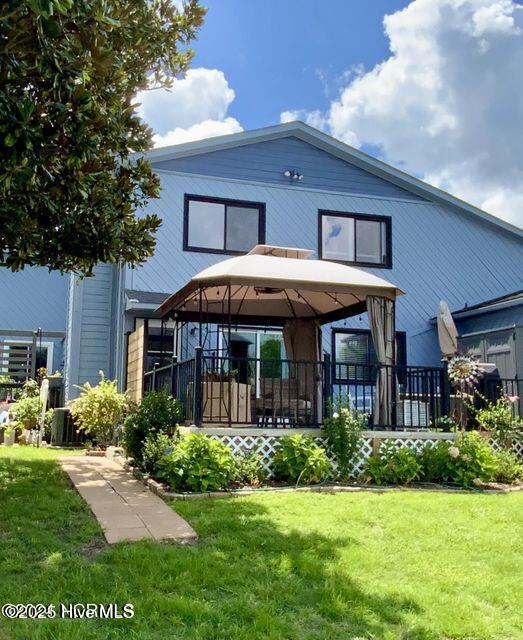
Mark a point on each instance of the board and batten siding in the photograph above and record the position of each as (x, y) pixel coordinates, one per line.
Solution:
(437, 252)
(266, 162)
(90, 328)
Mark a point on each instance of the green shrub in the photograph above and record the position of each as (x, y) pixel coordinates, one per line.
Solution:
(27, 411)
(157, 413)
(100, 409)
(28, 408)
(343, 437)
(198, 463)
(471, 458)
(507, 467)
(155, 447)
(299, 458)
(393, 465)
(436, 462)
(249, 469)
(498, 418)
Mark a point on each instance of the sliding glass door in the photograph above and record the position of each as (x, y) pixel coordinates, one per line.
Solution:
(264, 346)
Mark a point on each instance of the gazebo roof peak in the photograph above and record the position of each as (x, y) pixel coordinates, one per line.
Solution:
(280, 252)
(272, 284)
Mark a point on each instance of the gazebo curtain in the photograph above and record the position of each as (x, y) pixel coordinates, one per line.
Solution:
(301, 339)
(382, 325)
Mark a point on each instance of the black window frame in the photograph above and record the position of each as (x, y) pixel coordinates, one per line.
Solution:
(401, 353)
(188, 197)
(386, 264)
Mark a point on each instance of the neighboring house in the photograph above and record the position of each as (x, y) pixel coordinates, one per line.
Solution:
(492, 331)
(287, 185)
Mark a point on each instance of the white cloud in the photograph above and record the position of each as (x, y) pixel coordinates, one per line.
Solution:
(195, 107)
(205, 129)
(313, 118)
(448, 102)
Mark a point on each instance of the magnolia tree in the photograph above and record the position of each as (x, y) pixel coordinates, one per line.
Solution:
(69, 185)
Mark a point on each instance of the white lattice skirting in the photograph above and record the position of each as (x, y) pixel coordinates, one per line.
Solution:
(265, 445)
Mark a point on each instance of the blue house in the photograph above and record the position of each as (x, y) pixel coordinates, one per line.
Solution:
(293, 186)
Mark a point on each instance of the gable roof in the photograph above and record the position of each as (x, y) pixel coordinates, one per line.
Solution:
(336, 148)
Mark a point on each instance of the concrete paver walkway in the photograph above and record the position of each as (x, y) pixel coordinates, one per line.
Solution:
(125, 508)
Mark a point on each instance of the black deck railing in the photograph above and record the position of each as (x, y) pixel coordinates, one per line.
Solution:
(217, 389)
(419, 395)
(179, 378)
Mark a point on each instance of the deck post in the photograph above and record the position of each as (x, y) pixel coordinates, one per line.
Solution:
(174, 377)
(197, 408)
(327, 383)
(153, 385)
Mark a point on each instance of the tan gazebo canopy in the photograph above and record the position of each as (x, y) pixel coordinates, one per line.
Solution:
(272, 284)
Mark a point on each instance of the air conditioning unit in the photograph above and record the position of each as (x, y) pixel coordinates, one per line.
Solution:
(413, 414)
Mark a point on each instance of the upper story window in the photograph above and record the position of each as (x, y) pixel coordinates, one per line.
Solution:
(355, 238)
(216, 225)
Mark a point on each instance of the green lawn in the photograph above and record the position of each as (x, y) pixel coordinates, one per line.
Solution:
(300, 566)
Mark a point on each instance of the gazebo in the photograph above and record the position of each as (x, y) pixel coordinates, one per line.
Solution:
(276, 287)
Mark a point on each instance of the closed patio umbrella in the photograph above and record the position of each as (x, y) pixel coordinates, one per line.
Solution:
(447, 332)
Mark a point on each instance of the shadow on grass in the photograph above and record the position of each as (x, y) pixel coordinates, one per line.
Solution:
(248, 578)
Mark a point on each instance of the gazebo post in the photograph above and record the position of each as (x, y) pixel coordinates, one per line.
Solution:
(200, 316)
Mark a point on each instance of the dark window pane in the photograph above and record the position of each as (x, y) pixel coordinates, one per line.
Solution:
(242, 228)
(358, 349)
(206, 224)
(368, 241)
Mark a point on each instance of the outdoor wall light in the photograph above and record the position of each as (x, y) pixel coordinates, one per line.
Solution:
(293, 174)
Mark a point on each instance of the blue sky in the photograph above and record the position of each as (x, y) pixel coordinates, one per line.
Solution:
(280, 55)
(433, 87)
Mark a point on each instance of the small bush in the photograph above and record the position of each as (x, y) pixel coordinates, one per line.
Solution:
(471, 458)
(155, 447)
(507, 468)
(28, 408)
(198, 463)
(99, 409)
(467, 459)
(157, 413)
(299, 458)
(250, 470)
(436, 462)
(343, 437)
(393, 465)
(498, 417)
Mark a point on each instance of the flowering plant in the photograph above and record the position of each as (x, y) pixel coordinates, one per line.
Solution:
(343, 436)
